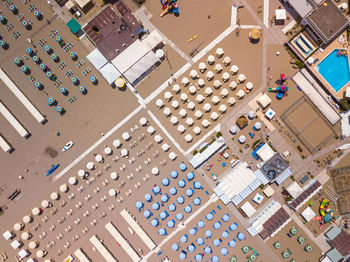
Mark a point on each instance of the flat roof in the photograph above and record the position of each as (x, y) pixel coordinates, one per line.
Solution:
(303, 7)
(73, 25)
(327, 20)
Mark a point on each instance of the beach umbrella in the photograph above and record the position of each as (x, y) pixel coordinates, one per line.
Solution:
(156, 190)
(63, 90)
(196, 130)
(224, 251)
(218, 68)
(42, 66)
(54, 57)
(167, 111)
(171, 223)
(159, 103)
(165, 181)
(190, 176)
(172, 156)
(189, 192)
(255, 34)
(81, 173)
(179, 216)
(233, 130)
(47, 48)
(139, 205)
(197, 185)
(124, 152)
(214, 116)
(25, 235)
(215, 259)
(151, 130)
(225, 234)
(174, 174)
(224, 92)
(227, 60)
(181, 129)
(108, 150)
(37, 13)
(193, 74)
(233, 85)
(168, 95)
(241, 236)
(27, 219)
(175, 104)
(189, 121)
(17, 227)
(205, 123)
(232, 243)
(198, 114)
(59, 109)
(58, 39)
(226, 77)
(37, 84)
(165, 147)
(3, 43)
(93, 79)
(126, 136)
(176, 88)
(201, 82)
(240, 94)
(193, 90)
(164, 198)
(209, 75)
(28, 51)
(188, 138)
(54, 196)
(99, 158)
(217, 84)
(200, 241)
(257, 125)
(148, 197)
(64, 188)
(226, 218)
(155, 222)
(155, 171)
(72, 180)
(120, 82)
(188, 209)
(183, 167)
(12, 8)
(191, 248)
(206, 107)
(182, 256)
(2, 18)
(51, 100)
(147, 214)
(200, 224)
(172, 207)
(181, 183)
(183, 97)
(73, 55)
(90, 165)
(209, 217)
(223, 108)
(158, 138)
(184, 238)
(234, 69)
(82, 89)
(208, 91)
(174, 120)
(207, 250)
(17, 61)
(162, 232)
(25, 24)
(36, 59)
(219, 52)
(242, 139)
(112, 192)
(116, 143)
(211, 59)
(33, 244)
(197, 201)
(217, 225)
(192, 232)
(35, 211)
(181, 200)
(24, 68)
(208, 233)
(185, 81)
(198, 257)
(74, 80)
(114, 175)
(202, 66)
(175, 247)
(215, 100)
(249, 86)
(251, 114)
(231, 101)
(216, 242)
(49, 74)
(241, 78)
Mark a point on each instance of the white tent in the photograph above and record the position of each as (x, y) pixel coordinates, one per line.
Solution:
(264, 101)
(265, 152)
(110, 73)
(248, 209)
(308, 214)
(97, 59)
(294, 189)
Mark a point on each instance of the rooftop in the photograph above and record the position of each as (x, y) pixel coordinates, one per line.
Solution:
(341, 243)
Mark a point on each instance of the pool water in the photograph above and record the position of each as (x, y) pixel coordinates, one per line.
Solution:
(335, 69)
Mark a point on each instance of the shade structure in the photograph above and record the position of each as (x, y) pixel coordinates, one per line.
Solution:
(174, 120)
(241, 78)
(198, 257)
(189, 121)
(36, 59)
(211, 59)
(197, 201)
(151, 130)
(108, 150)
(242, 139)
(99, 158)
(17, 227)
(24, 68)
(188, 209)
(215, 100)
(47, 48)
(224, 251)
(222, 108)
(119, 82)
(25, 235)
(147, 214)
(182, 256)
(249, 86)
(114, 175)
(43, 67)
(148, 197)
(191, 105)
(25, 23)
(54, 196)
(179, 216)
(185, 81)
(38, 84)
(158, 138)
(200, 98)
(117, 143)
(139, 205)
(175, 104)
(224, 92)
(201, 82)
(198, 114)
(182, 183)
(231, 101)
(112, 192)
(219, 52)
(200, 241)
(205, 123)
(225, 76)
(17, 61)
(193, 74)
(217, 84)
(58, 38)
(233, 85)
(240, 94)
(209, 75)
(33, 244)
(175, 247)
(255, 34)
(174, 174)
(74, 80)
(155, 222)
(206, 107)
(63, 90)
(209, 217)
(168, 95)
(155, 171)
(234, 69)
(257, 125)
(202, 66)
(196, 130)
(197, 185)
(233, 130)
(159, 103)
(214, 116)
(207, 250)
(27, 219)
(155, 206)
(251, 114)
(227, 60)
(193, 90)
(72, 180)
(208, 91)
(36, 211)
(165, 147)
(218, 68)
(167, 111)
(126, 136)
(183, 97)
(176, 88)
(64, 188)
(183, 113)
(172, 156)
(3, 43)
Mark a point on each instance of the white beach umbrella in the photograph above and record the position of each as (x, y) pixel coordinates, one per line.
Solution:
(209, 75)
(27, 219)
(193, 74)
(231, 101)
(189, 121)
(167, 111)
(185, 81)
(81, 173)
(33, 245)
(181, 129)
(211, 59)
(251, 114)
(90, 165)
(174, 120)
(40, 253)
(225, 76)
(224, 92)
(35, 211)
(191, 105)
(47, 260)
(25, 235)
(200, 98)
(172, 156)
(175, 104)
(227, 60)
(234, 69)
(217, 84)
(184, 97)
(168, 96)
(183, 113)
(201, 82)
(143, 121)
(233, 130)
(240, 94)
(99, 158)
(233, 85)
(72, 180)
(54, 196)
(17, 227)
(207, 107)
(249, 86)
(223, 108)
(159, 103)
(158, 139)
(188, 138)
(214, 116)
(218, 68)
(193, 90)
(124, 152)
(202, 66)
(108, 150)
(176, 88)
(241, 78)
(151, 130)
(198, 114)
(114, 175)
(112, 192)
(208, 91)
(257, 125)
(196, 130)
(165, 147)
(215, 100)
(116, 143)
(242, 139)
(155, 171)
(64, 188)
(219, 52)
(126, 136)
(205, 123)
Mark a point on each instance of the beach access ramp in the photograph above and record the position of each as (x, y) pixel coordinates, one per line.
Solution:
(81, 256)
(13, 121)
(4, 145)
(102, 249)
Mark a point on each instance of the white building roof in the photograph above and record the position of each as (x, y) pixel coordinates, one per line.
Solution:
(294, 189)
(264, 101)
(110, 73)
(268, 191)
(82, 3)
(345, 124)
(97, 59)
(265, 152)
(270, 113)
(308, 214)
(152, 40)
(248, 209)
(303, 7)
(347, 93)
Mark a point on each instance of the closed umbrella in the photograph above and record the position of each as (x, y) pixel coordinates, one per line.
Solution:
(181, 129)
(215, 100)
(234, 69)
(193, 90)
(175, 104)
(185, 81)
(207, 107)
(26, 219)
(209, 75)
(176, 88)
(242, 139)
(205, 123)
(198, 114)
(168, 95)
(257, 125)
(224, 92)
(189, 121)
(219, 52)
(183, 113)
(126, 136)
(151, 130)
(249, 86)
(217, 84)
(196, 130)
(143, 121)
(201, 82)
(223, 108)
(214, 116)
(240, 94)
(211, 59)
(191, 105)
(233, 85)
(231, 101)
(193, 74)
(117, 143)
(218, 68)
(183, 97)
(227, 60)
(167, 111)
(202, 66)
(174, 120)
(208, 91)
(159, 103)
(225, 76)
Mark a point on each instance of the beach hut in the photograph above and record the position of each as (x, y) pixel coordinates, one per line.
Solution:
(167, 111)
(227, 61)
(225, 77)
(214, 116)
(175, 104)
(193, 90)
(185, 81)
(176, 88)
(183, 97)
(201, 82)
(198, 114)
(189, 121)
(211, 59)
(234, 69)
(209, 75)
(193, 74)
(200, 98)
(218, 68)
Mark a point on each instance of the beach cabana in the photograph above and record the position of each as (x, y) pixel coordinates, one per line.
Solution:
(308, 214)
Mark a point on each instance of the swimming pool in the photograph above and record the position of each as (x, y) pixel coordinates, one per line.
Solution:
(335, 70)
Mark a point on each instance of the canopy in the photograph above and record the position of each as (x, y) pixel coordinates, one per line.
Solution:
(308, 214)
(248, 209)
(242, 121)
(294, 189)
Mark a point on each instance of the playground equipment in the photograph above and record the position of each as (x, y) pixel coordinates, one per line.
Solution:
(327, 215)
(169, 6)
(282, 89)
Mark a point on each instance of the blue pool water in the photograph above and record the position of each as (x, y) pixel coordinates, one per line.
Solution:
(335, 69)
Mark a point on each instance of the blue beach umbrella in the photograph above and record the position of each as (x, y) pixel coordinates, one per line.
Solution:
(163, 215)
(183, 167)
(179, 216)
(59, 109)
(82, 89)
(171, 223)
(165, 181)
(197, 201)
(207, 250)
(208, 233)
(148, 197)
(155, 206)
(58, 39)
(24, 68)
(216, 242)
(215, 259)
(47, 48)
(156, 190)
(2, 43)
(54, 57)
(209, 217)
(184, 238)
(189, 192)
(226, 218)
(74, 80)
(28, 51)
(174, 174)
(49, 74)
(200, 241)
(93, 79)
(162, 232)
(164, 198)
(198, 257)
(72, 54)
(37, 13)
(197, 185)
(182, 183)
(217, 225)
(225, 234)
(175, 247)
(12, 8)
(25, 23)
(173, 190)
(190, 176)
(36, 59)
(200, 224)
(193, 232)
(188, 209)
(232, 243)
(16, 60)
(191, 248)
(51, 100)
(42, 66)
(233, 226)
(172, 207)
(63, 90)
(139, 205)
(224, 251)
(182, 256)
(147, 214)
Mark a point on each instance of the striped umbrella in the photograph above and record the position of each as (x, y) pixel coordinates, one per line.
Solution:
(12, 8)
(120, 82)
(63, 90)
(73, 54)
(25, 23)
(24, 68)
(49, 74)
(17, 61)
(59, 109)
(37, 84)
(93, 79)
(42, 66)
(51, 100)
(37, 13)
(47, 48)
(2, 43)
(54, 57)
(82, 89)
(58, 38)
(28, 50)
(36, 59)
(74, 80)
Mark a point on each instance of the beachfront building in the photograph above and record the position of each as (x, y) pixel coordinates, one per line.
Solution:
(339, 240)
